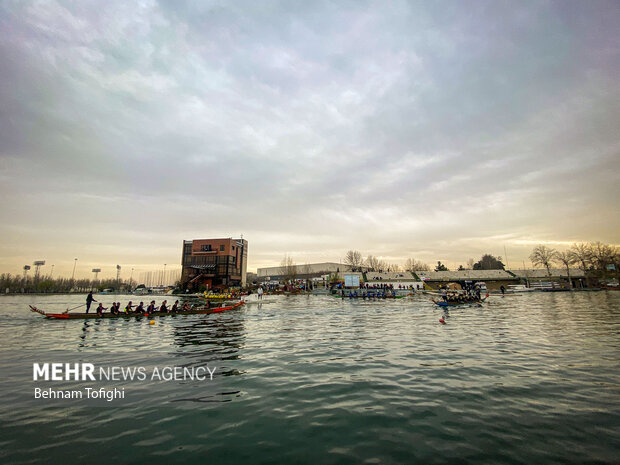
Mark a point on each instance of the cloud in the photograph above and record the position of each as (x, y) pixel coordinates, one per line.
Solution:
(436, 130)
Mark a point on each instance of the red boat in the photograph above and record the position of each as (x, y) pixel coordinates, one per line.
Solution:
(83, 316)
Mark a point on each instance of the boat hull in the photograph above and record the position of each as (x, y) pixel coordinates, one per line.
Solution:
(368, 297)
(457, 304)
(88, 316)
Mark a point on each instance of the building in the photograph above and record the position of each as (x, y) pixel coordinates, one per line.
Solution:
(494, 279)
(309, 270)
(214, 263)
(397, 279)
(538, 277)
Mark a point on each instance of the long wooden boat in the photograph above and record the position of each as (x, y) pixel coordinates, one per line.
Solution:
(369, 297)
(441, 303)
(94, 315)
(220, 296)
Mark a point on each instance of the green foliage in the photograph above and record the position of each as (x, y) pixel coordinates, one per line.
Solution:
(489, 262)
(441, 267)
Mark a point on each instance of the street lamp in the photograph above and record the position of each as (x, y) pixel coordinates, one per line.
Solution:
(38, 264)
(73, 274)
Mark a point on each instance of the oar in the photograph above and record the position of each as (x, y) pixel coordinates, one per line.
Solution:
(69, 309)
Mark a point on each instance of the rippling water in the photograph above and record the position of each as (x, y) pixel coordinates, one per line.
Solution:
(312, 379)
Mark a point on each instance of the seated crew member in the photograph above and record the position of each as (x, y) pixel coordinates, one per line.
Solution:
(140, 308)
(163, 307)
(175, 307)
(151, 308)
(100, 309)
(186, 306)
(129, 307)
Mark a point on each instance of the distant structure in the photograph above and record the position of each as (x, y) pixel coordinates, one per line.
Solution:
(541, 278)
(493, 279)
(306, 271)
(214, 263)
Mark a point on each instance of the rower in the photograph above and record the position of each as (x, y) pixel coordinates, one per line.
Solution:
(114, 308)
(151, 308)
(163, 307)
(128, 308)
(140, 308)
(100, 309)
(175, 307)
(186, 306)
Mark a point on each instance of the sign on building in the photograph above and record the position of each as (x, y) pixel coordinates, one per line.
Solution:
(352, 280)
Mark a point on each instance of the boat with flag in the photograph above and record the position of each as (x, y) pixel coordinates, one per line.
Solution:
(198, 310)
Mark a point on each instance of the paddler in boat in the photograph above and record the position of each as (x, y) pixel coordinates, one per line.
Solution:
(175, 307)
(114, 308)
(129, 307)
(163, 307)
(151, 308)
(186, 307)
(89, 300)
(140, 308)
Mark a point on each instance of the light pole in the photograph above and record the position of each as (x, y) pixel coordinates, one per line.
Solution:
(96, 272)
(73, 274)
(37, 268)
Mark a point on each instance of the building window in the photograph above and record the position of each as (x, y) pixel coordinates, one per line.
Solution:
(206, 248)
(221, 248)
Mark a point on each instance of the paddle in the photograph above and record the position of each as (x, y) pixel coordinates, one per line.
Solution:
(69, 309)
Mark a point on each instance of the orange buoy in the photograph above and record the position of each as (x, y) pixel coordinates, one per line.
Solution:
(152, 322)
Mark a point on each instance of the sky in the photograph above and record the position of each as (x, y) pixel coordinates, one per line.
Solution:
(428, 130)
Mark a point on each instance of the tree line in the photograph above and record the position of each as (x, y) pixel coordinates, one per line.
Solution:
(357, 262)
(593, 258)
(33, 284)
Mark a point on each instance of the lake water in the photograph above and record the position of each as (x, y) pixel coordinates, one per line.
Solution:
(312, 379)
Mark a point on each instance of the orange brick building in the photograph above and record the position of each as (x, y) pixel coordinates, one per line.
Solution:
(214, 263)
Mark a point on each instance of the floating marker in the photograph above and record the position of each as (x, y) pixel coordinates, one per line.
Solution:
(152, 322)
(442, 321)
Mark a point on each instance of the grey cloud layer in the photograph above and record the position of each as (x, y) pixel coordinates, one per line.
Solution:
(431, 128)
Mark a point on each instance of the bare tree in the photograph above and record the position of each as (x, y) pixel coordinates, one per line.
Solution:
(543, 256)
(582, 253)
(372, 263)
(307, 270)
(411, 264)
(290, 270)
(354, 258)
(567, 259)
(602, 255)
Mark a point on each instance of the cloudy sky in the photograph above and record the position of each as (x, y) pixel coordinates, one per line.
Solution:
(431, 130)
